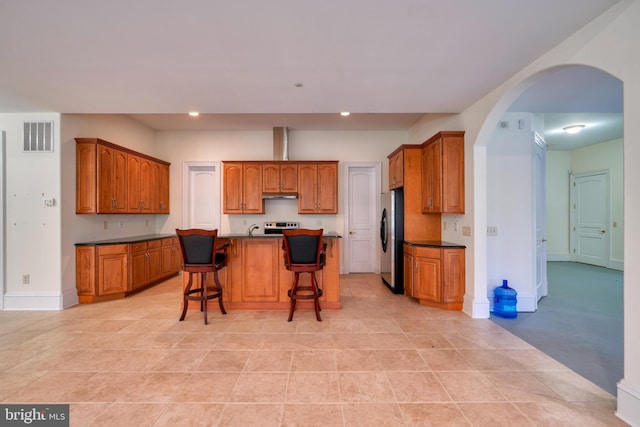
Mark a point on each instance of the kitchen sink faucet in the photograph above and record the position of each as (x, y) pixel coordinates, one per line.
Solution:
(252, 228)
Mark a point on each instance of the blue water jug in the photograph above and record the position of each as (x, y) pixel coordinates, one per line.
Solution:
(505, 301)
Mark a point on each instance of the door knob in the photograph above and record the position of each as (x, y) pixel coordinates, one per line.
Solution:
(351, 232)
(543, 240)
(603, 231)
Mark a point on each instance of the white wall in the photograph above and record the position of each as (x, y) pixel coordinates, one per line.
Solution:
(558, 168)
(32, 234)
(188, 146)
(510, 208)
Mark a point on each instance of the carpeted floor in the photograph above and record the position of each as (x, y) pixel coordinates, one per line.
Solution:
(580, 322)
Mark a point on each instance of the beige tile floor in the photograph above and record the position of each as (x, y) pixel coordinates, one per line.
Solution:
(382, 360)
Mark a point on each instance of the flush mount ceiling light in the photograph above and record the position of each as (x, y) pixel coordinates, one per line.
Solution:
(194, 113)
(573, 128)
(345, 113)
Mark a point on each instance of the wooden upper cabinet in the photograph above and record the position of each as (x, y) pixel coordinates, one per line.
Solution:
(318, 188)
(328, 188)
(232, 192)
(242, 191)
(115, 180)
(252, 188)
(279, 178)
(133, 184)
(111, 180)
(396, 169)
(443, 173)
(86, 175)
(147, 186)
(162, 189)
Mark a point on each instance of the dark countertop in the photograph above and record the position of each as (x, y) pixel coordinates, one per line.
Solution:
(328, 235)
(123, 240)
(434, 244)
(135, 239)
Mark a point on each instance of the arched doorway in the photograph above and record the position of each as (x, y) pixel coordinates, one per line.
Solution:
(554, 99)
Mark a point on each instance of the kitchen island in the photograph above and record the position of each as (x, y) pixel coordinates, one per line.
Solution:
(255, 277)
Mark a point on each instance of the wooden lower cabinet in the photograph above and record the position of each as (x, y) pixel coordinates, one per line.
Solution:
(171, 256)
(259, 266)
(102, 272)
(435, 276)
(112, 271)
(255, 276)
(146, 263)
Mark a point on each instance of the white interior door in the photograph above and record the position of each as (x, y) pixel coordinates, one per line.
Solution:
(202, 196)
(590, 208)
(361, 212)
(540, 183)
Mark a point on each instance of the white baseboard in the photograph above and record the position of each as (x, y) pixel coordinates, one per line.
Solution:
(478, 308)
(616, 264)
(32, 301)
(628, 403)
(69, 298)
(559, 257)
(526, 303)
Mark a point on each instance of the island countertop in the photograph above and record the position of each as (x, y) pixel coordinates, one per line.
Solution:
(136, 239)
(125, 240)
(327, 235)
(434, 244)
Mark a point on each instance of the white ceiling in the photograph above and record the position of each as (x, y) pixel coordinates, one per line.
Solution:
(239, 63)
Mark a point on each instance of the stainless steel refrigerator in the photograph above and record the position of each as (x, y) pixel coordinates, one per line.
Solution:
(391, 239)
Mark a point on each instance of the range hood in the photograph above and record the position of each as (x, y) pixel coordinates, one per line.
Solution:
(280, 143)
(280, 153)
(276, 196)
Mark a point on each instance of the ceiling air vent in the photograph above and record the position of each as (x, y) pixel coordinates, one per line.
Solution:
(38, 137)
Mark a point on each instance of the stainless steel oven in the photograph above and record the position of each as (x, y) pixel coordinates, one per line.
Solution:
(276, 227)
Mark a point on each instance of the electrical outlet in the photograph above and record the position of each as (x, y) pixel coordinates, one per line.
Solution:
(25, 279)
(121, 224)
(466, 230)
(492, 230)
(105, 225)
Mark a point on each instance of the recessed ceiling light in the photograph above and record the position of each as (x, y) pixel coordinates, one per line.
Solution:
(345, 113)
(194, 113)
(298, 84)
(573, 128)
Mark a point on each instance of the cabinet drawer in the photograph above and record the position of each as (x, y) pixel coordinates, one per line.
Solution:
(426, 252)
(140, 246)
(154, 244)
(171, 241)
(112, 249)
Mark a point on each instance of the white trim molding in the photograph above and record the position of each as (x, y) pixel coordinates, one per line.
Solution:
(628, 403)
(32, 301)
